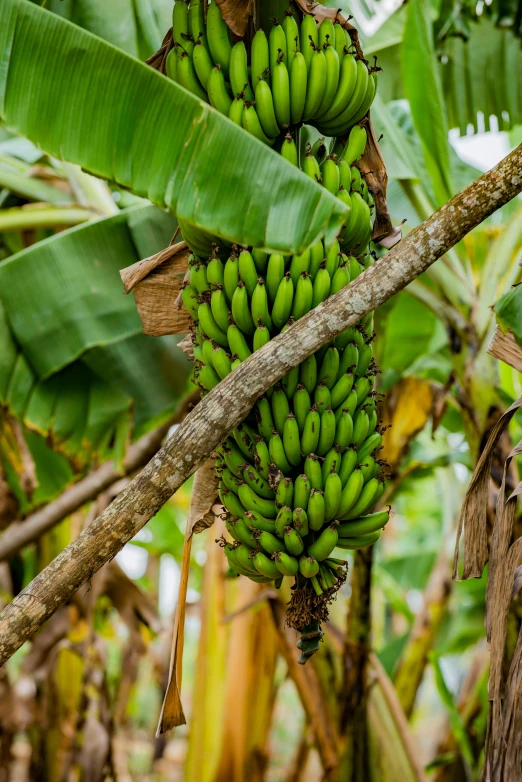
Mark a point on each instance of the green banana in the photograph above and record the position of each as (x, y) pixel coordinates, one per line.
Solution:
(330, 175)
(329, 367)
(340, 123)
(251, 501)
(293, 541)
(308, 566)
(371, 444)
(171, 64)
(364, 524)
(360, 427)
(237, 342)
(239, 71)
(265, 422)
(281, 93)
(348, 75)
(261, 336)
(332, 495)
(342, 389)
(219, 309)
(290, 381)
(180, 26)
(312, 469)
(286, 564)
(315, 85)
(274, 274)
(289, 150)
(368, 497)
(309, 37)
(333, 68)
(311, 168)
(208, 352)
(340, 40)
(344, 430)
(291, 440)
(341, 278)
(262, 458)
(202, 63)
(259, 304)
(230, 480)
(218, 37)
(301, 403)
(260, 260)
(302, 490)
(255, 520)
(259, 57)
(324, 544)
(265, 108)
(236, 110)
(331, 462)
(269, 542)
(316, 509)
(303, 298)
(326, 33)
(300, 521)
(283, 520)
(362, 388)
(360, 542)
(348, 463)
(231, 276)
(265, 566)
(208, 323)
(308, 373)
(217, 89)
(241, 310)
(276, 46)
(345, 175)
(221, 362)
(298, 87)
(252, 125)
(292, 38)
(322, 398)
(257, 483)
(321, 285)
(351, 491)
(327, 432)
(277, 453)
(365, 358)
(311, 431)
(190, 296)
(349, 359)
(280, 408)
(232, 503)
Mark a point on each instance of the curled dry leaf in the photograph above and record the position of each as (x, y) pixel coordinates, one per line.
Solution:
(157, 282)
(236, 14)
(504, 347)
(200, 517)
(374, 171)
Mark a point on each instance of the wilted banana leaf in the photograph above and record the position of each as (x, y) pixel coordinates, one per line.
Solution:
(84, 101)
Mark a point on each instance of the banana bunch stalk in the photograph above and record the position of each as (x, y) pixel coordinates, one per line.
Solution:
(301, 72)
(300, 476)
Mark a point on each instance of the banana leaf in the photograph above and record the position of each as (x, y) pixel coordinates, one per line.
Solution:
(82, 100)
(74, 365)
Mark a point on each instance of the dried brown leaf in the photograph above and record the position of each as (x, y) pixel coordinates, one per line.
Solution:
(473, 517)
(156, 296)
(504, 347)
(237, 14)
(200, 516)
(373, 169)
(131, 275)
(187, 346)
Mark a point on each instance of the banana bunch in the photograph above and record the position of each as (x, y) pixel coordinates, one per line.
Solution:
(298, 73)
(300, 476)
(342, 178)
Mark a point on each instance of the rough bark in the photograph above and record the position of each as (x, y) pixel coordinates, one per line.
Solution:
(215, 416)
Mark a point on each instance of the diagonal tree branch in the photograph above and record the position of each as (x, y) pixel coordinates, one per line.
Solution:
(21, 533)
(215, 416)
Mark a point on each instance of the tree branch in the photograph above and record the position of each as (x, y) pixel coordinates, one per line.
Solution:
(203, 430)
(21, 533)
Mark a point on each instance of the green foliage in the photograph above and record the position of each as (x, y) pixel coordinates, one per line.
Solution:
(149, 135)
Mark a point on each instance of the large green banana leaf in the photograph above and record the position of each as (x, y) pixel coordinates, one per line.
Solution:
(479, 77)
(84, 101)
(74, 365)
(136, 26)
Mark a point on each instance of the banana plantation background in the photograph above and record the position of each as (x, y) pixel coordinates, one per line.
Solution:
(80, 385)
